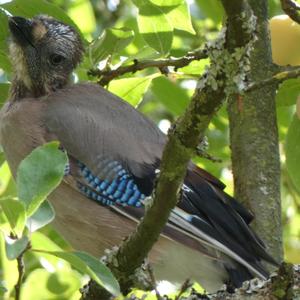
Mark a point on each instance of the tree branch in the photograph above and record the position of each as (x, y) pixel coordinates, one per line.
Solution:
(292, 9)
(284, 284)
(182, 143)
(107, 75)
(285, 74)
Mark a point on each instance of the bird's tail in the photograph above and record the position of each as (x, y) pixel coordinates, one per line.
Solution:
(223, 222)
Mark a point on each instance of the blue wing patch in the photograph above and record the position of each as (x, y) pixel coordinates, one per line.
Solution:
(118, 187)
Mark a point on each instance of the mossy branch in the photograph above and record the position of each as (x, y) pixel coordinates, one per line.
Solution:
(182, 143)
(181, 146)
(284, 74)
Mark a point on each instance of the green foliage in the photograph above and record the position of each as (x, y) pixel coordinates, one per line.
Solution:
(171, 95)
(155, 28)
(288, 92)
(15, 213)
(41, 217)
(131, 89)
(4, 87)
(61, 285)
(39, 174)
(112, 41)
(14, 247)
(91, 266)
(293, 151)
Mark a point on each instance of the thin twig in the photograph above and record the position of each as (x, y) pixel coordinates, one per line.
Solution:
(208, 156)
(21, 271)
(107, 75)
(185, 286)
(153, 281)
(292, 9)
(286, 73)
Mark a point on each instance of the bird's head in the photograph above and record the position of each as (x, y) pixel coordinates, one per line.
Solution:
(43, 52)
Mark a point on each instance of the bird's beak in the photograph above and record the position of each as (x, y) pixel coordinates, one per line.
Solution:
(21, 30)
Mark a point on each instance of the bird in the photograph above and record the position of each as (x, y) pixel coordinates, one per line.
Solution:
(114, 154)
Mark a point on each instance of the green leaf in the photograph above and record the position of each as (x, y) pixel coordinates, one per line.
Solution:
(167, 2)
(180, 18)
(292, 150)
(211, 9)
(102, 272)
(8, 269)
(15, 247)
(82, 13)
(288, 92)
(43, 216)
(171, 95)
(196, 67)
(42, 242)
(14, 210)
(39, 174)
(112, 41)
(4, 224)
(60, 285)
(91, 266)
(155, 28)
(4, 88)
(4, 62)
(131, 89)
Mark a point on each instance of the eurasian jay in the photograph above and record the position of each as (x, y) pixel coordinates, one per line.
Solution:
(114, 154)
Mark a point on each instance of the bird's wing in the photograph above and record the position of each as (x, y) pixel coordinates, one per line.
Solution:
(97, 127)
(118, 150)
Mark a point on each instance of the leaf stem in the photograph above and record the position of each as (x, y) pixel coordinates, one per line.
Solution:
(21, 271)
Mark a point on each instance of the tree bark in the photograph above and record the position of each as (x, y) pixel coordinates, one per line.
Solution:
(254, 141)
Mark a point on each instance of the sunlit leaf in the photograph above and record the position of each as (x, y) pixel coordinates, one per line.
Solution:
(61, 285)
(42, 242)
(180, 17)
(81, 12)
(91, 266)
(196, 67)
(43, 215)
(288, 92)
(155, 28)
(39, 174)
(211, 9)
(131, 89)
(8, 268)
(4, 224)
(167, 2)
(285, 116)
(292, 149)
(14, 247)
(112, 41)
(4, 62)
(5, 179)
(14, 210)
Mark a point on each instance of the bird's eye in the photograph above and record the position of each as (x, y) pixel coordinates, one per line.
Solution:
(56, 59)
